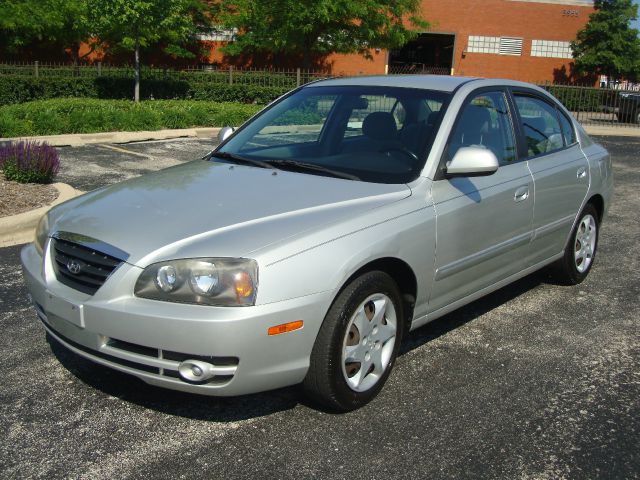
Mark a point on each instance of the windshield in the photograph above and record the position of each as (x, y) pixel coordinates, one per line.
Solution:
(373, 134)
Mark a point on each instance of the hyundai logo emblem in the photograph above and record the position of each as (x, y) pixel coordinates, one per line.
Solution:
(74, 267)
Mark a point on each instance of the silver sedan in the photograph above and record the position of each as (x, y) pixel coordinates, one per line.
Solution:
(314, 237)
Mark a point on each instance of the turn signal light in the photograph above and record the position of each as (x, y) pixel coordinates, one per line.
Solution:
(243, 285)
(285, 327)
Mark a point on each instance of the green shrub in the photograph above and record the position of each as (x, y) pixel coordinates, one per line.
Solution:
(20, 89)
(581, 99)
(16, 89)
(84, 115)
(235, 93)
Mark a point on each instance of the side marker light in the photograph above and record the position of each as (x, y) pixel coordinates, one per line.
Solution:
(285, 327)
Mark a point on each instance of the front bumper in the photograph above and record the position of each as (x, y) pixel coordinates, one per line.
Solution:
(149, 338)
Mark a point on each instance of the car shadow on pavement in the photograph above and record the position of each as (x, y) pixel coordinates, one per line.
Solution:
(221, 409)
(473, 310)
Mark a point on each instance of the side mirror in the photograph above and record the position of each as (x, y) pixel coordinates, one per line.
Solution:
(224, 133)
(472, 162)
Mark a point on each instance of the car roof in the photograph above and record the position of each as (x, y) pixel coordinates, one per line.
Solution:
(428, 82)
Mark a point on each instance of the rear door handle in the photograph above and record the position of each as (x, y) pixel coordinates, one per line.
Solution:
(582, 172)
(521, 194)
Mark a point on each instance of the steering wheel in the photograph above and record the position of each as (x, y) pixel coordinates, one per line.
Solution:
(404, 150)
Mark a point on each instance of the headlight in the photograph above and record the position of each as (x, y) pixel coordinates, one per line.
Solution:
(206, 281)
(42, 231)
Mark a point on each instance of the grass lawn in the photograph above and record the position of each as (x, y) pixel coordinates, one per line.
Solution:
(86, 115)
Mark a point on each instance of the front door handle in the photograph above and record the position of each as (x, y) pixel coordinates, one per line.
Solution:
(582, 172)
(521, 194)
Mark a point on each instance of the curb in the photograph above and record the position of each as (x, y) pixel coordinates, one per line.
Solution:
(80, 139)
(597, 130)
(20, 228)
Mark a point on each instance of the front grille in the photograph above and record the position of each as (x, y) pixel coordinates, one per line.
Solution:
(80, 266)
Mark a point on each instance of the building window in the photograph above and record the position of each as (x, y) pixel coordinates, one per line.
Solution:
(483, 44)
(498, 45)
(551, 49)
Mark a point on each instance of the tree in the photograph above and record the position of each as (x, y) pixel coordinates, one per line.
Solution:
(608, 45)
(315, 28)
(132, 25)
(63, 22)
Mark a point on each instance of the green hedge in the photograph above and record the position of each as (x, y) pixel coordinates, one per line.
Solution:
(245, 77)
(20, 89)
(82, 115)
(583, 99)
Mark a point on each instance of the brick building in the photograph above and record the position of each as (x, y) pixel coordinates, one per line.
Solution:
(519, 39)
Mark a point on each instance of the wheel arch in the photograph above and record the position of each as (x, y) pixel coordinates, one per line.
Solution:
(598, 203)
(401, 273)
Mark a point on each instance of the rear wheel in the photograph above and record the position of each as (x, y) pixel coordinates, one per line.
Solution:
(580, 253)
(357, 343)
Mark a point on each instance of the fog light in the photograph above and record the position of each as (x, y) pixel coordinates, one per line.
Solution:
(195, 371)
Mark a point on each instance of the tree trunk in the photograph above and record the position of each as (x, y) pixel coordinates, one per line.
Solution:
(75, 55)
(306, 58)
(136, 88)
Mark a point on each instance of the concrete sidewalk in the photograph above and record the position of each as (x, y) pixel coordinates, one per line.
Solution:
(17, 229)
(79, 139)
(612, 131)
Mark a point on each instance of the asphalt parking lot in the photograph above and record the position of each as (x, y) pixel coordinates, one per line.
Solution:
(536, 381)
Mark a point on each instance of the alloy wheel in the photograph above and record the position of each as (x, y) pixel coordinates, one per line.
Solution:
(585, 243)
(369, 341)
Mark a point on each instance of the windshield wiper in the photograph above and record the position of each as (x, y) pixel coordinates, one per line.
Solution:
(239, 159)
(302, 166)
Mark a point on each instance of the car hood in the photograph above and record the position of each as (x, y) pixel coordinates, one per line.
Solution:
(205, 208)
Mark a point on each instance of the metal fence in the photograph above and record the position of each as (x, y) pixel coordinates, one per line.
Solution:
(206, 73)
(600, 106)
(591, 105)
(417, 69)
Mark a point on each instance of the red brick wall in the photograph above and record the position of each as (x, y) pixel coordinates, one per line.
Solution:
(357, 64)
(529, 20)
(506, 18)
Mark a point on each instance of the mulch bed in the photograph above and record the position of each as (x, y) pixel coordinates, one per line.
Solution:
(21, 197)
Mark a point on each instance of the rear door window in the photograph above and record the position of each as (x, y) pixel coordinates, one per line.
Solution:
(540, 125)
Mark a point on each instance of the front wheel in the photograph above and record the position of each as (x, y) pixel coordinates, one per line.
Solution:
(357, 343)
(580, 253)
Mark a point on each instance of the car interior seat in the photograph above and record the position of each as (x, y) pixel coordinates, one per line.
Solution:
(380, 127)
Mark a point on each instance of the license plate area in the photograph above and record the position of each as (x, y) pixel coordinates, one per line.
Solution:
(62, 308)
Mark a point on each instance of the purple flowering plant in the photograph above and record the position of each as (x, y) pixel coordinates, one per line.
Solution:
(29, 162)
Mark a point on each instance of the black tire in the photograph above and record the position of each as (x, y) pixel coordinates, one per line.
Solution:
(327, 379)
(568, 270)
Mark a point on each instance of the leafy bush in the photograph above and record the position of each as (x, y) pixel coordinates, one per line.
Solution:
(84, 115)
(15, 89)
(20, 89)
(581, 99)
(220, 92)
(29, 162)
